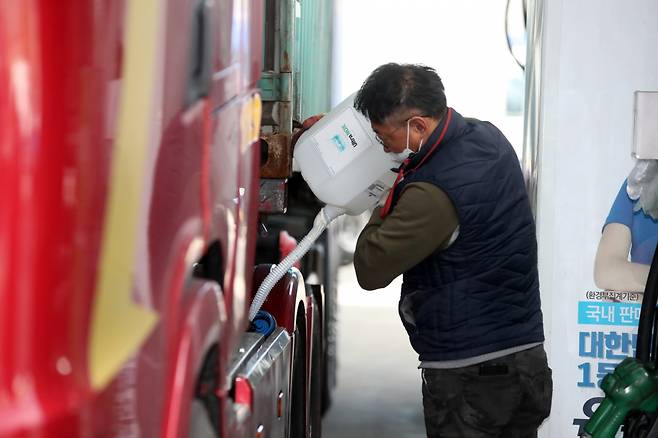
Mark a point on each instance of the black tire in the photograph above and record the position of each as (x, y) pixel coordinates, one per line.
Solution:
(330, 317)
(317, 374)
(298, 392)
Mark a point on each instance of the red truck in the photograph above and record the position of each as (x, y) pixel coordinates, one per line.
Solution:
(130, 157)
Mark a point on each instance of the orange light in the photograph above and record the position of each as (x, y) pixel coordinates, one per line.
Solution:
(279, 405)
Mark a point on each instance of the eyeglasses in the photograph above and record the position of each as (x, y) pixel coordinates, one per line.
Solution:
(379, 139)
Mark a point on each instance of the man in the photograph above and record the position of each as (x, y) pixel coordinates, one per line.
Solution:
(459, 227)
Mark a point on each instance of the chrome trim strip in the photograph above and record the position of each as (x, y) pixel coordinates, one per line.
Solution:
(532, 141)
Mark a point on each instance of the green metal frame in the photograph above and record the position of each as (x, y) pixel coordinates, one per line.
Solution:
(297, 58)
(313, 57)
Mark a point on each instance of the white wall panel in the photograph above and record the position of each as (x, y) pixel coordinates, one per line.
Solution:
(594, 55)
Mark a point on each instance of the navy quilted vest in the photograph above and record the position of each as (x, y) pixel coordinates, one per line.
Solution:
(481, 295)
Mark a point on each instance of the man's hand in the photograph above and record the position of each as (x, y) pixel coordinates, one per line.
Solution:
(306, 124)
(311, 121)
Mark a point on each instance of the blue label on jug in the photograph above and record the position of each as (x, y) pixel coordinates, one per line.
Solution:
(339, 143)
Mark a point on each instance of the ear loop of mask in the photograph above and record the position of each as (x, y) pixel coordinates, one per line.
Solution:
(408, 132)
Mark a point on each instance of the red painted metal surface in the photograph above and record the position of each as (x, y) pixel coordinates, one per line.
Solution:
(60, 88)
(286, 298)
(54, 166)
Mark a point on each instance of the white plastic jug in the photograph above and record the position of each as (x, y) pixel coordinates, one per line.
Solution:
(342, 162)
(346, 168)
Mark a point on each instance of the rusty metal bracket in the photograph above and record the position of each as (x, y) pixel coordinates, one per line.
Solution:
(279, 156)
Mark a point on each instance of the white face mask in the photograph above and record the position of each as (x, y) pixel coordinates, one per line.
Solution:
(399, 157)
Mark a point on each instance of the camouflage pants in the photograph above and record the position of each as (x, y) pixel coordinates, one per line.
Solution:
(508, 397)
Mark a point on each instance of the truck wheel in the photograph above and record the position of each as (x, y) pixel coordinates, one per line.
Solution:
(317, 374)
(330, 325)
(298, 392)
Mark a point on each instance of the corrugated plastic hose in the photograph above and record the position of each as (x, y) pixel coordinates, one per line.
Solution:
(322, 220)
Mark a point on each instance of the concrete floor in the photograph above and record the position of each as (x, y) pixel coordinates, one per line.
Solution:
(379, 388)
